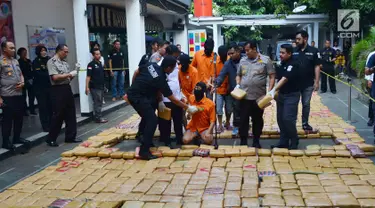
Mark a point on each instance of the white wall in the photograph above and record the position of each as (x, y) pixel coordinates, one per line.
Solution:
(47, 13)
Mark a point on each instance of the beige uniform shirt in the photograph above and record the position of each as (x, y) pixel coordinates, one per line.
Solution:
(56, 66)
(10, 76)
(254, 75)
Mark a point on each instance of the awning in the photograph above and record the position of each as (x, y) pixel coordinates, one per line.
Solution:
(105, 17)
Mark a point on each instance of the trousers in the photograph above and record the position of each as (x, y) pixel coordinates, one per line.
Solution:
(13, 110)
(287, 110)
(43, 96)
(249, 108)
(332, 83)
(146, 110)
(306, 95)
(64, 110)
(97, 98)
(118, 80)
(30, 96)
(165, 125)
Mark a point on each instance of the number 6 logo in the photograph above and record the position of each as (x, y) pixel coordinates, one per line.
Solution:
(347, 18)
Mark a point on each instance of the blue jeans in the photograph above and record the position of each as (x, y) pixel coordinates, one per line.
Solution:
(221, 100)
(306, 95)
(287, 110)
(118, 78)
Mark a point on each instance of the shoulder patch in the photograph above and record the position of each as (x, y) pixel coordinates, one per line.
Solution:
(152, 71)
(289, 68)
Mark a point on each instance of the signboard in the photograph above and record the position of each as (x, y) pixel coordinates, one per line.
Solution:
(47, 36)
(6, 21)
(196, 41)
(348, 22)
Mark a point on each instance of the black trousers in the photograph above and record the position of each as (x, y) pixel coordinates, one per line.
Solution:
(64, 110)
(370, 111)
(236, 112)
(43, 96)
(287, 110)
(165, 125)
(31, 97)
(249, 108)
(13, 110)
(149, 121)
(332, 84)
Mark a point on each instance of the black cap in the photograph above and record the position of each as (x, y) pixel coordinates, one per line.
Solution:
(170, 50)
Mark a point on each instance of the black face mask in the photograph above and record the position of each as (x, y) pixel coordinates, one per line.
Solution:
(208, 51)
(184, 67)
(199, 94)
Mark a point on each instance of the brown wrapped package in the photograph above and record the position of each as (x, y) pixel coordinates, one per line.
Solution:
(232, 202)
(249, 193)
(232, 152)
(264, 152)
(133, 204)
(186, 153)
(172, 205)
(280, 151)
(272, 191)
(153, 205)
(312, 189)
(117, 155)
(294, 201)
(250, 202)
(328, 153)
(332, 182)
(296, 153)
(343, 200)
(287, 178)
(192, 205)
(128, 155)
(248, 151)
(273, 200)
(264, 101)
(187, 147)
(110, 204)
(69, 153)
(171, 153)
(367, 203)
(356, 183)
(289, 186)
(318, 202)
(171, 199)
(217, 153)
(363, 192)
(337, 189)
(238, 94)
(292, 193)
(150, 198)
(166, 114)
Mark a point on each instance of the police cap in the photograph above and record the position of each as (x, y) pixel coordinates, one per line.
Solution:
(168, 61)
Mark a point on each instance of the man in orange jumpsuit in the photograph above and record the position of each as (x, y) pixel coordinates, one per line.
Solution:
(201, 126)
(203, 61)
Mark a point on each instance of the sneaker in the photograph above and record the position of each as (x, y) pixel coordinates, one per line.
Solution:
(102, 120)
(235, 131)
(103, 102)
(307, 127)
(370, 122)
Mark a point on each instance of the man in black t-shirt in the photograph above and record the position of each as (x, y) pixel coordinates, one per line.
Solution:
(308, 59)
(288, 75)
(144, 94)
(116, 66)
(95, 84)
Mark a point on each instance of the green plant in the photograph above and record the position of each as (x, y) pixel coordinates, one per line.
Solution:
(360, 51)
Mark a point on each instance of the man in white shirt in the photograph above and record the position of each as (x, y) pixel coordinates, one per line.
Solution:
(176, 112)
(369, 79)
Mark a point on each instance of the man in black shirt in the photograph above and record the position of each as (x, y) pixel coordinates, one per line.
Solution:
(328, 63)
(95, 84)
(288, 75)
(116, 66)
(308, 59)
(144, 95)
(26, 68)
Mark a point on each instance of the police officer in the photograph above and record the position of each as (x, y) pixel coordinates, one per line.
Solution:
(25, 65)
(116, 66)
(11, 99)
(328, 63)
(42, 86)
(252, 76)
(144, 96)
(62, 97)
(95, 84)
(288, 86)
(309, 59)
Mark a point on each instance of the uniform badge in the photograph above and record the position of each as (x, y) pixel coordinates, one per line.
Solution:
(37, 69)
(187, 77)
(89, 68)
(289, 68)
(244, 71)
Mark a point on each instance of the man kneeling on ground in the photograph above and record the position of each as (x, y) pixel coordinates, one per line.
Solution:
(202, 123)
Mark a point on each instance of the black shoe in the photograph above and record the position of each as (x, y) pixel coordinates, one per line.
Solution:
(33, 113)
(334, 92)
(170, 145)
(243, 142)
(197, 141)
(101, 120)
(278, 146)
(10, 147)
(370, 122)
(21, 141)
(323, 91)
(307, 127)
(147, 156)
(73, 141)
(52, 144)
(45, 129)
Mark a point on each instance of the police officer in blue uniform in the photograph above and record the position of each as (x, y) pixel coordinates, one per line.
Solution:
(288, 75)
(328, 63)
(144, 94)
(308, 58)
(42, 86)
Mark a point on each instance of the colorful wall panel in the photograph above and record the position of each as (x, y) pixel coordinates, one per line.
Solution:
(196, 41)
